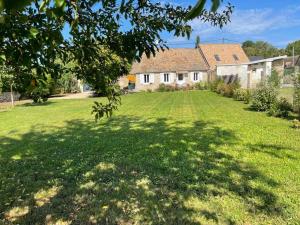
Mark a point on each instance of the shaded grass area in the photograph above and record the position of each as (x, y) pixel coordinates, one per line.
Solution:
(164, 158)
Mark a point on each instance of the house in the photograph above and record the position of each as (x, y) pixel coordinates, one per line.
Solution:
(252, 73)
(176, 67)
(220, 54)
(185, 66)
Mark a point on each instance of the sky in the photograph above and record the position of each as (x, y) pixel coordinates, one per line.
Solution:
(274, 21)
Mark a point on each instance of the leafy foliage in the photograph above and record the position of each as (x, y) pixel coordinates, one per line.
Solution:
(281, 108)
(264, 97)
(289, 48)
(244, 95)
(261, 48)
(101, 47)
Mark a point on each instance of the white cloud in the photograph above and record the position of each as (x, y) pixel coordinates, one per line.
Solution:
(249, 23)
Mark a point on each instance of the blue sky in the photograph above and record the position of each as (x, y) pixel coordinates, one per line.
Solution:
(275, 21)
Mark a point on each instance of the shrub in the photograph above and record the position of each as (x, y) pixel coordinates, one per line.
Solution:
(39, 94)
(215, 83)
(284, 107)
(227, 89)
(201, 86)
(161, 88)
(281, 108)
(242, 95)
(165, 88)
(296, 124)
(264, 97)
(149, 90)
(239, 94)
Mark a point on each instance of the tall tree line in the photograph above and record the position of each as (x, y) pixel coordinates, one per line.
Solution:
(267, 50)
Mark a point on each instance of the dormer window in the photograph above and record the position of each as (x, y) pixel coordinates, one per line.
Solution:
(217, 57)
(236, 58)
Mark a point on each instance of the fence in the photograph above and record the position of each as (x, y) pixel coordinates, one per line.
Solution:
(6, 96)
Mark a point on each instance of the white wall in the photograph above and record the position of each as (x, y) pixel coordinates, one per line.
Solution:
(240, 70)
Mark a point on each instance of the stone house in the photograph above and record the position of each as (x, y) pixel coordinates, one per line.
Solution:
(177, 67)
(185, 66)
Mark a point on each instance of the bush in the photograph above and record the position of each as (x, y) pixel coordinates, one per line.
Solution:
(281, 108)
(227, 90)
(165, 88)
(239, 94)
(296, 124)
(39, 94)
(242, 95)
(214, 84)
(264, 97)
(201, 86)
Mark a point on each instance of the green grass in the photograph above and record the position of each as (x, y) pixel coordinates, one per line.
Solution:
(164, 158)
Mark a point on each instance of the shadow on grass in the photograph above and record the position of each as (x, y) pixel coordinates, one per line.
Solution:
(30, 104)
(126, 170)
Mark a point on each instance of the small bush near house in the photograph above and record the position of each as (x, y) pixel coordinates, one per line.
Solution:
(149, 90)
(214, 84)
(201, 86)
(227, 90)
(244, 95)
(281, 108)
(264, 97)
(165, 88)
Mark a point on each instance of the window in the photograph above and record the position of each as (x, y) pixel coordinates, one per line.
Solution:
(196, 76)
(235, 57)
(166, 77)
(180, 76)
(217, 57)
(146, 78)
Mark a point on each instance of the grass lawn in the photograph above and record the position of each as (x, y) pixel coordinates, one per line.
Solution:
(164, 158)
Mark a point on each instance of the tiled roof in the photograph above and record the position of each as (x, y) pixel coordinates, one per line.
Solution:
(172, 60)
(220, 54)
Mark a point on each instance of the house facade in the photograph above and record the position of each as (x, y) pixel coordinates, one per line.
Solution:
(176, 67)
(186, 66)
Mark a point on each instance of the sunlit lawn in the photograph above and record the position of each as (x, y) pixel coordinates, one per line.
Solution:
(164, 158)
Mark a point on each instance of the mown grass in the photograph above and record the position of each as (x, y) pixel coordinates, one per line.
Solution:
(164, 158)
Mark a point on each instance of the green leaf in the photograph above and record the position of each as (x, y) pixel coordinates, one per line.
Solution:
(3, 57)
(196, 11)
(34, 32)
(59, 3)
(215, 5)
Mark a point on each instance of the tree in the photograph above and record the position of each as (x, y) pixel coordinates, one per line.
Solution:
(261, 48)
(295, 45)
(101, 46)
(197, 43)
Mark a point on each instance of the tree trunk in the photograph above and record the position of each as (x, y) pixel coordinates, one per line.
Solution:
(11, 94)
